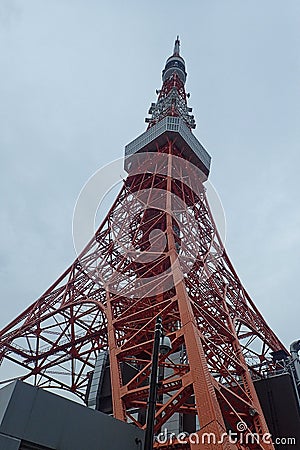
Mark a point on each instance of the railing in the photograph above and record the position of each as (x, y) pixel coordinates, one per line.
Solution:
(172, 124)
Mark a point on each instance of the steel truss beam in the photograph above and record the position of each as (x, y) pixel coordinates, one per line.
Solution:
(158, 252)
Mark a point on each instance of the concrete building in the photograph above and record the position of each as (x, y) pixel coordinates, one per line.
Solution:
(32, 418)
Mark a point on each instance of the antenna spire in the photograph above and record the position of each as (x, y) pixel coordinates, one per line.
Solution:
(176, 47)
(172, 99)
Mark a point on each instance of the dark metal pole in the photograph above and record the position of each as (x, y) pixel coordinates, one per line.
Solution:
(153, 387)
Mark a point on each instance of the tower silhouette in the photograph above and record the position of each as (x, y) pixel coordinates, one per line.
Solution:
(157, 253)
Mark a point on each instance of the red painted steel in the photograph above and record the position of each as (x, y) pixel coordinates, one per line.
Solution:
(157, 253)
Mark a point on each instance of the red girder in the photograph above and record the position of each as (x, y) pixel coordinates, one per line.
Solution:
(110, 297)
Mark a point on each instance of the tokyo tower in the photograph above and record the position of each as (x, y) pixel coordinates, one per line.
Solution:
(157, 253)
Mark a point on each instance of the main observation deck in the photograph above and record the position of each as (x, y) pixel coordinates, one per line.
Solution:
(170, 128)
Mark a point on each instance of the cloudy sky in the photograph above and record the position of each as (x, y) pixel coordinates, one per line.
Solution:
(76, 81)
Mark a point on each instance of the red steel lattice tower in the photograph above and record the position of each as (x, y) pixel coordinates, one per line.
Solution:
(157, 253)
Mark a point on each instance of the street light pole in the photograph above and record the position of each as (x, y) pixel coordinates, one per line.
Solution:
(153, 387)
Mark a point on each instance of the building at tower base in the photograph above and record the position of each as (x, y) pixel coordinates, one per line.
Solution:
(33, 419)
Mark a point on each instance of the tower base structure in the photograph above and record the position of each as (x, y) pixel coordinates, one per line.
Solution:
(280, 404)
(34, 419)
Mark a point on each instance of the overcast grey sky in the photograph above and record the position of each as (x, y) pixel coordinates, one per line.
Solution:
(76, 81)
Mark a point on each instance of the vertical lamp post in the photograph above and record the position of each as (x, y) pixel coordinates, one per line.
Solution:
(162, 345)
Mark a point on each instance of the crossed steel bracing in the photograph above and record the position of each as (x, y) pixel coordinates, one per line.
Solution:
(157, 252)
